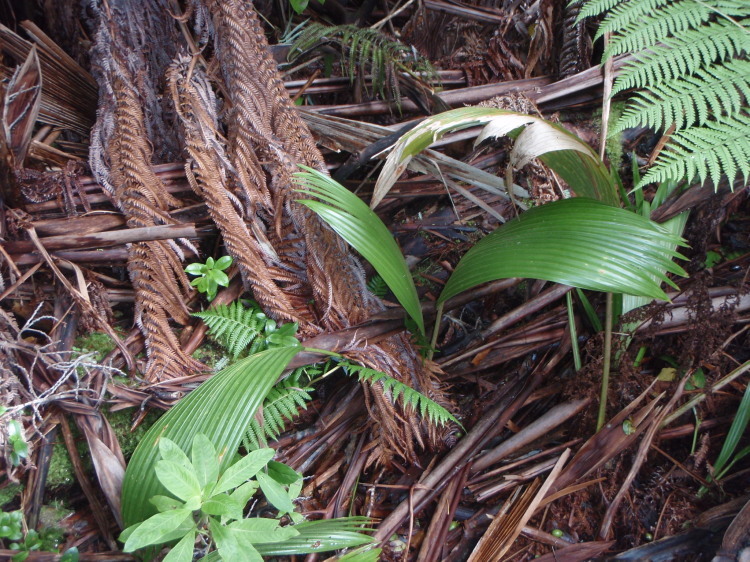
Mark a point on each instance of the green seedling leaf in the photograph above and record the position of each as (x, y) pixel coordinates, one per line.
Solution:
(244, 492)
(210, 263)
(275, 493)
(559, 149)
(165, 503)
(223, 505)
(154, 529)
(178, 479)
(299, 6)
(183, 550)
(228, 546)
(219, 277)
(205, 460)
(258, 530)
(282, 473)
(320, 536)
(223, 262)
(244, 469)
(170, 451)
(196, 269)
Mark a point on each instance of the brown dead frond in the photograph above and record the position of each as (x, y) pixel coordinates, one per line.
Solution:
(130, 123)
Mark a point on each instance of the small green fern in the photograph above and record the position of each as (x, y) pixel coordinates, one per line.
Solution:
(364, 49)
(377, 286)
(690, 61)
(283, 402)
(243, 329)
(427, 408)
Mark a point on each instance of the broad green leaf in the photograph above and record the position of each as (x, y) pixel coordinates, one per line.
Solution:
(320, 536)
(154, 529)
(580, 242)
(222, 504)
(558, 148)
(170, 451)
(219, 277)
(178, 479)
(221, 408)
(282, 473)
(196, 269)
(259, 530)
(365, 232)
(205, 460)
(244, 469)
(223, 262)
(275, 493)
(165, 503)
(227, 545)
(183, 550)
(244, 492)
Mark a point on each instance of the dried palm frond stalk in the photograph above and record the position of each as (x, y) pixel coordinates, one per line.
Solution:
(134, 43)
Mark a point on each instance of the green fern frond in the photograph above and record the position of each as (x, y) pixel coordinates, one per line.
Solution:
(595, 7)
(234, 326)
(690, 59)
(718, 147)
(652, 27)
(365, 49)
(377, 286)
(283, 403)
(427, 408)
(692, 100)
(684, 55)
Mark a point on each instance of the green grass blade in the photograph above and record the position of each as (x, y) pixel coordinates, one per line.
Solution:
(221, 408)
(736, 431)
(580, 242)
(345, 213)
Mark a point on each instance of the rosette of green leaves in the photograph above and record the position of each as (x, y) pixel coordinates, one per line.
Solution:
(211, 275)
(206, 501)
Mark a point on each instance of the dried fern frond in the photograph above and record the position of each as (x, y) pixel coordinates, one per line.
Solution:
(690, 60)
(366, 50)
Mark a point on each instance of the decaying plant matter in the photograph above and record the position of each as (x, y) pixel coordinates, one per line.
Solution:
(241, 165)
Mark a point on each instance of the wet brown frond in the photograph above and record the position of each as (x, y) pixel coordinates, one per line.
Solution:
(207, 176)
(121, 157)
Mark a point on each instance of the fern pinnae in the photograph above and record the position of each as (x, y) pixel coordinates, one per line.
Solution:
(233, 325)
(283, 402)
(712, 91)
(619, 13)
(706, 151)
(684, 55)
(673, 19)
(427, 408)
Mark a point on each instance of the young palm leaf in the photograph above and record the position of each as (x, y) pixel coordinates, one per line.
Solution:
(580, 242)
(221, 408)
(559, 149)
(359, 226)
